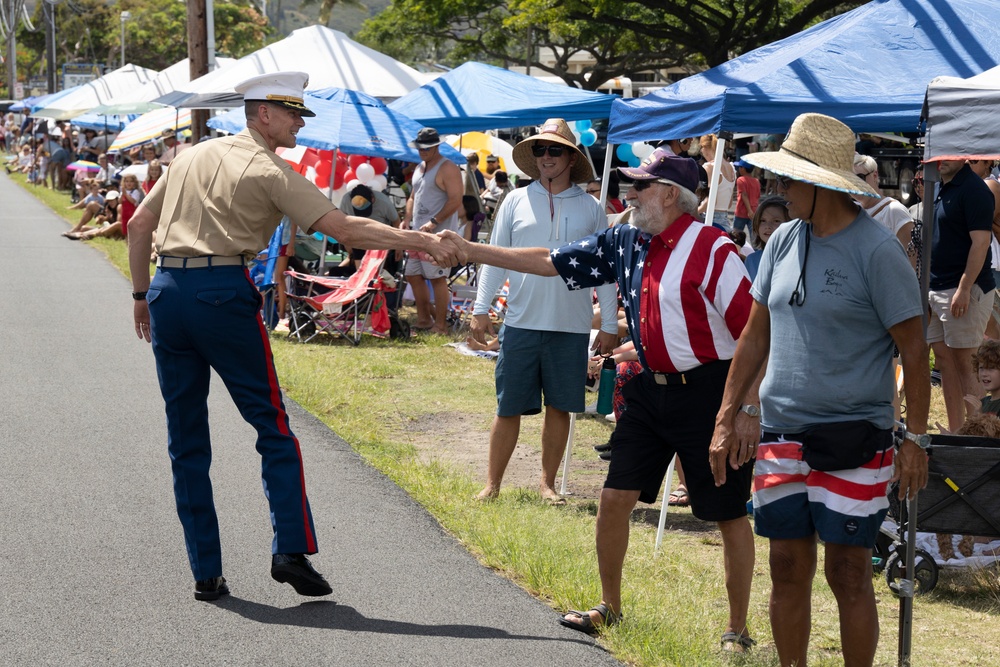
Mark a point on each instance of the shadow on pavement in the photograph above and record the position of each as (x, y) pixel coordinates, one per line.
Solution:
(328, 615)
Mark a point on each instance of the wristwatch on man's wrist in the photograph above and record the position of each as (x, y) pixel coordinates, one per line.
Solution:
(139, 296)
(750, 409)
(922, 440)
(435, 221)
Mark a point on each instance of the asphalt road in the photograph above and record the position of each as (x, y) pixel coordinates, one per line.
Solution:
(93, 564)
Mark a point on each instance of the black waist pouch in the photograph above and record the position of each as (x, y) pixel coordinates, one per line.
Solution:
(843, 445)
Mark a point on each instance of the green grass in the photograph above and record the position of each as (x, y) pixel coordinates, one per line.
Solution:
(389, 399)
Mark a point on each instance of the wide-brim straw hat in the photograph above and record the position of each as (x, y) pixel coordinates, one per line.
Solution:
(818, 150)
(557, 131)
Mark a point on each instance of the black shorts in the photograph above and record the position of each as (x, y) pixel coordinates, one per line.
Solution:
(662, 420)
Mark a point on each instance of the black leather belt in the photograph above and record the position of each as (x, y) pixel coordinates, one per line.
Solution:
(203, 262)
(699, 373)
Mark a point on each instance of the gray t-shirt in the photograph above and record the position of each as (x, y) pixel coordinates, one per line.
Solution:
(831, 358)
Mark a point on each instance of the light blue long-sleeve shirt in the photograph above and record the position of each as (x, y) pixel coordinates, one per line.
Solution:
(526, 220)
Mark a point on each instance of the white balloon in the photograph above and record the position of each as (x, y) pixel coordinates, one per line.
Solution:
(351, 184)
(642, 150)
(378, 183)
(365, 172)
(338, 195)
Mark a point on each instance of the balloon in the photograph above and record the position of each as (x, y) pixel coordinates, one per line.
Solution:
(634, 162)
(323, 171)
(577, 134)
(642, 150)
(378, 183)
(583, 125)
(364, 172)
(338, 181)
(588, 137)
(338, 195)
(355, 161)
(349, 176)
(351, 184)
(379, 164)
(624, 152)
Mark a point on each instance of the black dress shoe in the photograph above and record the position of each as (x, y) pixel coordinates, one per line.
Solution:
(295, 569)
(210, 589)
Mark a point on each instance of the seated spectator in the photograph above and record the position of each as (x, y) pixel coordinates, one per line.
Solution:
(364, 202)
(470, 218)
(25, 161)
(92, 205)
(106, 225)
(106, 174)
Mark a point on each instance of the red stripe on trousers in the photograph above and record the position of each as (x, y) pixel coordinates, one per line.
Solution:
(282, 422)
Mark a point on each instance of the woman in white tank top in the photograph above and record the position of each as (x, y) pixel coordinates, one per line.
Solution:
(726, 183)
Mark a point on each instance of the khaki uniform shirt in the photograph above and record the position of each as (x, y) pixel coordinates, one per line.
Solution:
(227, 196)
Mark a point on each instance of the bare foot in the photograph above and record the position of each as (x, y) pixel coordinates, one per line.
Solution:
(550, 497)
(476, 345)
(440, 330)
(488, 494)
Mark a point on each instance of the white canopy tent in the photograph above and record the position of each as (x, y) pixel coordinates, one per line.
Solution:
(329, 57)
(961, 117)
(97, 92)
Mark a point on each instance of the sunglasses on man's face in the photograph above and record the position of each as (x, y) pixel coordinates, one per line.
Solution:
(639, 186)
(554, 151)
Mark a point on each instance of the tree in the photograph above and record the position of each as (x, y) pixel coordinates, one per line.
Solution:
(155, 36)
(326, 7)
(621, 37)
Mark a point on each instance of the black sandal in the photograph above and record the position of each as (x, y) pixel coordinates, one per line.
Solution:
(586, 624)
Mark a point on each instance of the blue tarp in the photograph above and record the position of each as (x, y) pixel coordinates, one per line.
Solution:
(93, 121)
(476, 97)
(868, 67)
(351, 122)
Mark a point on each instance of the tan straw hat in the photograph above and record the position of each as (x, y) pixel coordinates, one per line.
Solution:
(818, 150)
(557, 131)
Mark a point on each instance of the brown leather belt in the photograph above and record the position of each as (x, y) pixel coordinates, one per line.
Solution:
(203, 262)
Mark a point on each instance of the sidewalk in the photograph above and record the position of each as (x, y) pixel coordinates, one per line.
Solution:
(94, 566)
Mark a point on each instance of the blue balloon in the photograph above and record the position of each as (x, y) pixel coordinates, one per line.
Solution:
(634, 162)
(583, 125)
(588, 137)
(624, 152)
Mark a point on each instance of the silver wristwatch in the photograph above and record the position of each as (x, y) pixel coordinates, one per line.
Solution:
(922, 440)
(751, 410)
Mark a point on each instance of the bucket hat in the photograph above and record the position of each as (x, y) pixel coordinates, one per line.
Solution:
(818, 150)
(557, 131)
(427, 137)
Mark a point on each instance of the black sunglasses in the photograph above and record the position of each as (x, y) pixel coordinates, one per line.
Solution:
(554, 150)
(783, 181)
(594, 192)
(639, 186)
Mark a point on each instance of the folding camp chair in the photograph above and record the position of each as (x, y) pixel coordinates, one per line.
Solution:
(262, 273)
(341, 307)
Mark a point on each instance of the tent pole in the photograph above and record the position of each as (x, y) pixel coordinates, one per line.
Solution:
(713, 188)
(606, 174)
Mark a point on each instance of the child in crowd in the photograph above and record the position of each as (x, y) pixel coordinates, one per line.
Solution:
(153, 173)
(470, 218)
(132, 195)
(771, 212)
(986, 365)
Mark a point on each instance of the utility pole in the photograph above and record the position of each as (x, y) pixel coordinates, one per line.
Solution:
(9, 17)
(49, 16)
(197, 27)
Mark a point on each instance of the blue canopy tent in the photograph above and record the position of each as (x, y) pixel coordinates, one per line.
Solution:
(868, 67)
(352, 122)
(475, 96)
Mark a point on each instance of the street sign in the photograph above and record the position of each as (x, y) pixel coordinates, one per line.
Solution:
(76, 74)
(18, 91)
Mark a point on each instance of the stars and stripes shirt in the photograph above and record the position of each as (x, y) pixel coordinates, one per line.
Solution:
(686, 293)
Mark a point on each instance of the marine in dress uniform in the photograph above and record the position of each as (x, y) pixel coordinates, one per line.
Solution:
(215, 208)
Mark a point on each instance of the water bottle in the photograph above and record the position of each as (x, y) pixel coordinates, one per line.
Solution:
(606, 388)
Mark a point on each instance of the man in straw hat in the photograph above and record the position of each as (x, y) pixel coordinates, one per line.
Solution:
(544, 339)
(687, 298)
(213, 210)
(834, 292)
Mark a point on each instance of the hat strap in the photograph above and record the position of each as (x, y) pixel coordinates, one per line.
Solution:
(801, 157)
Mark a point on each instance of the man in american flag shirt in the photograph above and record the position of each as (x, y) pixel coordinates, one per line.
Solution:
(687, 299)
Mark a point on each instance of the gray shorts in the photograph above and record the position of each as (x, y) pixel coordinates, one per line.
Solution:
(425, 268)
(964, 332)
(535, 362)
